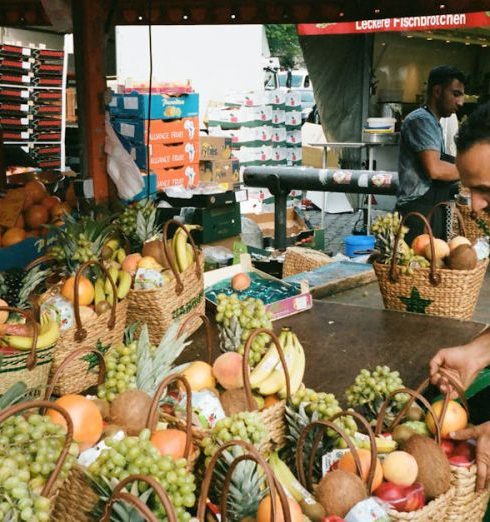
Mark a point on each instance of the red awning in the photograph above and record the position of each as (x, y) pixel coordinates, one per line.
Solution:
(411, 23)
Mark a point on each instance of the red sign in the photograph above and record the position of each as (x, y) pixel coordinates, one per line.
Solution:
(409, 23)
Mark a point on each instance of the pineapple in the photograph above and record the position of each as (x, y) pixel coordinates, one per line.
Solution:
(247, 486)
(81, 239)
(138, 224)
(16, 285)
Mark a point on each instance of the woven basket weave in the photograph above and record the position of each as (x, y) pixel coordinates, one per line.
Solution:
(298, 259)
(30, 367)
(160, 307)
(442, 292)
(108, 328)
(470, 219)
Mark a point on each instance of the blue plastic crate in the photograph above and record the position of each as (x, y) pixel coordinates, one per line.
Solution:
(19, 255)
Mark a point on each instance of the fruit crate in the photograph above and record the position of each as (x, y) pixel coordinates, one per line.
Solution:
(300, 301)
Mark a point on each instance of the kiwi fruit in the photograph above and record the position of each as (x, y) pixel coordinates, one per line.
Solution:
(434, 469)
(401, 434)
(235, 401)
(415, 413)
(462, 257)
(339, 491)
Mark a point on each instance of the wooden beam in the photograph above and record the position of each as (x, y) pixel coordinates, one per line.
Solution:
(89, 18)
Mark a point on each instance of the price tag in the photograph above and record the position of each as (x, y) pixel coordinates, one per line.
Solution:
(10, 209)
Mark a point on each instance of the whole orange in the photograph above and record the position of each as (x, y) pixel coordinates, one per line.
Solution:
(86, 291)
(347, 463)
(170, 442)
(36, 190)
(265, 506)
(455, 419)
(86, 418)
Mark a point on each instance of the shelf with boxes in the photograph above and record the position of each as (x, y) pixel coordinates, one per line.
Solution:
(32, 90)
(174, 134)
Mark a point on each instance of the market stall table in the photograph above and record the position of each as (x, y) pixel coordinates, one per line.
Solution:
(339, 340)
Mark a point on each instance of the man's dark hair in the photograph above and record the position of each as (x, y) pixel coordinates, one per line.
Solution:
(475, 129)
(443, 75)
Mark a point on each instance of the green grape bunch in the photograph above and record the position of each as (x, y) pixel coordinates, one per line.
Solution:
(127, 220)
(121, 369)
(371, 388)
(246, 425)
(137, 455)
(29, 449)
(237, 318)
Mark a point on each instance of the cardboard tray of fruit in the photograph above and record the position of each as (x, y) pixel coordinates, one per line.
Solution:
(281, 299)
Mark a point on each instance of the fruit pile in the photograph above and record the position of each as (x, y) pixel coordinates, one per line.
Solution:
(36, 209)
(456, 254)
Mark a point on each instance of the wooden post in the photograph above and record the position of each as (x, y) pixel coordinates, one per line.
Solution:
(89, 18)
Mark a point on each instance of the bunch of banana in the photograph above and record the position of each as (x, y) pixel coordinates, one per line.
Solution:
(268, 376)
(48, 334)
(182, 250)
(103, 287)
(113, 251)
(383, 444)
(292, 486)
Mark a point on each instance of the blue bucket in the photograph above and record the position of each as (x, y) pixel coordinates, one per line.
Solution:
(355, 244)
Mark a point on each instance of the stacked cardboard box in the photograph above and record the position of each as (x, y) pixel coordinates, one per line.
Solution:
(265, 127)
(216, 164)
(173, 151)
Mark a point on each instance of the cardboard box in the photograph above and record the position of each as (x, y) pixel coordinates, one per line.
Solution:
(276, 98)
(247, 99)
(163, 106)
(279, 136)
(234, 118)
(161, 132)
(293, 120)
(246, 136)
(278, 117)
(301, 301)
(294, 156)
(166, 156)
(279, 155)
(215, 147)
(254, 156)
(219, 171)
(294, 223)
(293, 101)
(293, 138)
(187, 176)
(312, 156)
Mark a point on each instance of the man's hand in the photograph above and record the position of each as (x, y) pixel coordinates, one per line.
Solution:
(482, 435)
(462, 363)
(458, 363)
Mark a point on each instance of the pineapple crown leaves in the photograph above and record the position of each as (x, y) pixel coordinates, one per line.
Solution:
(32, 280)
(130, 333)
(247, 486)
(146, 227)
(15, 394)
(121, 512)
(154, 364)
(92, 358)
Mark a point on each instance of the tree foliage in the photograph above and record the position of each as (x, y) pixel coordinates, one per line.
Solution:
(284, 43)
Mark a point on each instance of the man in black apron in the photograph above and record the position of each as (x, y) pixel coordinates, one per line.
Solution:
(427, 174)
(465, 362)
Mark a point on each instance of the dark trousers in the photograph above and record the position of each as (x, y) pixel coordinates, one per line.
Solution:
(439, 192)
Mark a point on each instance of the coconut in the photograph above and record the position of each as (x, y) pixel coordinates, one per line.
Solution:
(434, 470)
(339, 491)
(130, 411)
(235, 401)
(463, 257)
(155, 250)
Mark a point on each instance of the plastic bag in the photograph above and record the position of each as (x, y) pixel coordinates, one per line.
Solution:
(120, 165)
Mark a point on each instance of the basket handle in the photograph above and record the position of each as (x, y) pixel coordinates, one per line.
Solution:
(434, 277)
(69, 358)
(414, 394)
(152, 418)
(32, 357)
(246, 367)
(179, 286)
(23, 406)
(209, 332)
(81, 333)
(39, 261)
(459, 216)
(208, 475)
(307, 481)
(274, 487)
(119, 494)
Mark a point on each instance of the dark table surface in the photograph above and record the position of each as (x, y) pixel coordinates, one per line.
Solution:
(339, 340)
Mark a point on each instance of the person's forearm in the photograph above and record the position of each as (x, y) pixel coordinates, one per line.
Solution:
(443, 171)
(480, 349)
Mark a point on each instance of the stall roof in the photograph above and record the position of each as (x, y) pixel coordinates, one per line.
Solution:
(56, 13)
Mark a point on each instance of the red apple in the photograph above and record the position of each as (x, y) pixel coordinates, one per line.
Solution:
(465, 449)
(402, 498)
(415, 498)
(419, 243)
(388, 492)
(448, 446)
